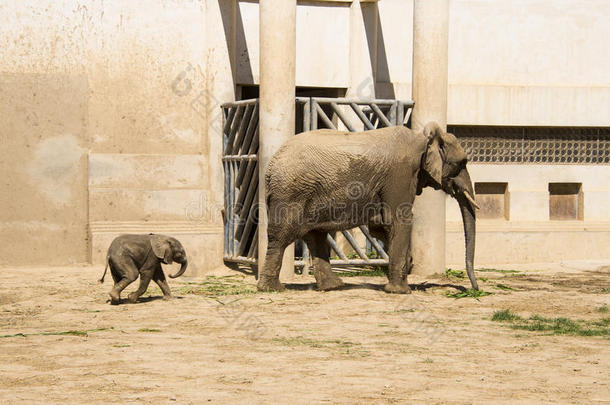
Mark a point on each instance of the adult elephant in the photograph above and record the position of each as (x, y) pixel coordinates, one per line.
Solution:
(326, 180)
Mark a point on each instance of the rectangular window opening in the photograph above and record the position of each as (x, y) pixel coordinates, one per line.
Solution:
(566, 202)
(493, 199)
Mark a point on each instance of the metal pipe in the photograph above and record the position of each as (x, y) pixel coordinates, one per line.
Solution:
(252, 125)
(349, 262)
(228, 120)
(342, 117)
(233, 158)
(307, 115)
(400, 113)
(247, 205)
(239, 259)
(344, 100)
(354, 244)
(381, 115)
(248, 167)
(373, 241)
(250, 224)
(234, 127)
(253, 251)
(241, 131)
(239, 103)
(362, 117)
(227, 207)
(334, 246)
(324, 117)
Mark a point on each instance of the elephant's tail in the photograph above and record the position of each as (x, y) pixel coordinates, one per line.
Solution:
(101, 280)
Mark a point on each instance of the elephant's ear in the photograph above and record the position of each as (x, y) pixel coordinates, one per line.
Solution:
(161, 248)
(433, 164)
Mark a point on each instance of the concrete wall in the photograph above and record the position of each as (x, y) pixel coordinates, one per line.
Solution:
(529, 235)
(43, 208)
(529, 62)
(104, 134)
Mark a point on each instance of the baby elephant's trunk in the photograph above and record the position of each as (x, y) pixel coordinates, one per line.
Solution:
(181, 271)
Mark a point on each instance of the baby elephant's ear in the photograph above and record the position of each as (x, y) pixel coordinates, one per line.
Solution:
(161, 248)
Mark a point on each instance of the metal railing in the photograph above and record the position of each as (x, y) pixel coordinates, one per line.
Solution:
(240, 161)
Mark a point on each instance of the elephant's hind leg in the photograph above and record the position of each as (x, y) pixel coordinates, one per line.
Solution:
(320, 250)
(269, 279)
(124, 273)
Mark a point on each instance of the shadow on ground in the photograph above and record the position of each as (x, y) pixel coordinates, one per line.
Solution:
(371, 286)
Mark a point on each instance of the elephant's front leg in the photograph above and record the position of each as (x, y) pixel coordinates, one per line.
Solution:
(399, 252)
(145, 278)
(159, 278)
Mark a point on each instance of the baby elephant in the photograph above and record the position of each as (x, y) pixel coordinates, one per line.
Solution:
(132, 255)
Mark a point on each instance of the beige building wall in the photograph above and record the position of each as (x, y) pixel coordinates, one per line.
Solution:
(104, 136)
(529, 62)
(529, 235)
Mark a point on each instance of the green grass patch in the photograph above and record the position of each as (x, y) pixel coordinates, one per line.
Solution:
(455, 273)
(503, 287)
(497, 271)
(603, 309)
(469, 293)
(81, 333)
(149, 330)
(505, 315)
(120, 346)
(215, 286)
(554, 326)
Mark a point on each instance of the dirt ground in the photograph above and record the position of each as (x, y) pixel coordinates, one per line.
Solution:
(220, 342)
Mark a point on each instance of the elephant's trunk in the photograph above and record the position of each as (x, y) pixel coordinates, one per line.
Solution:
(181, 271)
(465, 197)
(468, 219)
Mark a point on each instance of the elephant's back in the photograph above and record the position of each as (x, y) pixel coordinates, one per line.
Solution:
(326, 164)
(125, 243)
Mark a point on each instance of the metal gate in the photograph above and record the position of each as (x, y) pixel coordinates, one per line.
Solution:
(240, 161)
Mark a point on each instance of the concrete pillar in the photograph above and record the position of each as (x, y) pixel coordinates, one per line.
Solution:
(430, 38)
(277, 101)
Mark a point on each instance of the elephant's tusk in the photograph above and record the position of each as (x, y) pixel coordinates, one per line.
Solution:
(472, 201)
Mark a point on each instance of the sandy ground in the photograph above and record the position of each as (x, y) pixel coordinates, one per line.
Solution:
(356, 345)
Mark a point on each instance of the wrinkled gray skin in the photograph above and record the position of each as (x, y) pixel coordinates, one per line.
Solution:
(132, 255)
(368, 178)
